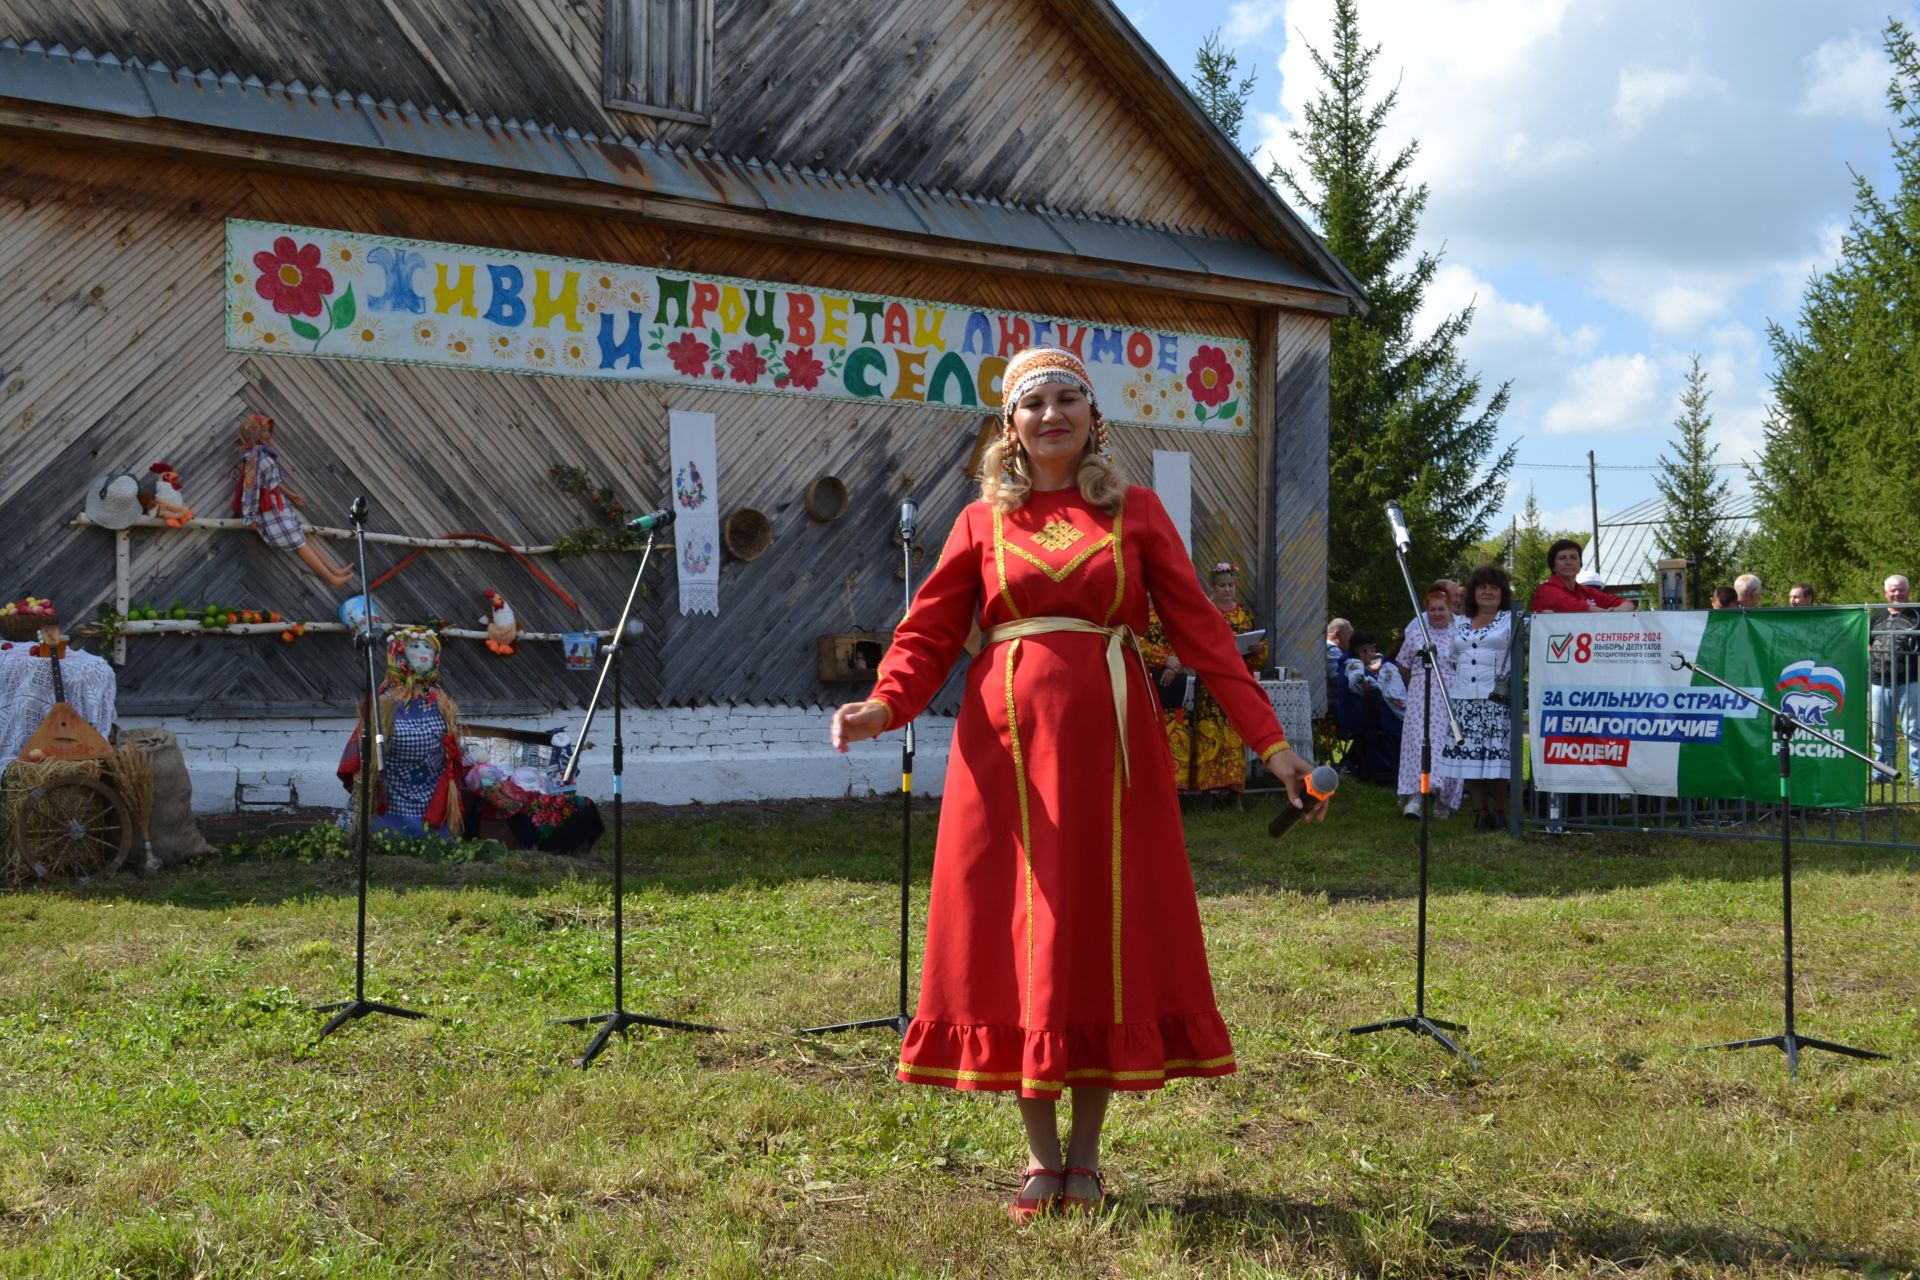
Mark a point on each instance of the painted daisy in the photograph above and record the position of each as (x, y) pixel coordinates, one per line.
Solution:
(459, 345)
(366, 334)
(345, 258)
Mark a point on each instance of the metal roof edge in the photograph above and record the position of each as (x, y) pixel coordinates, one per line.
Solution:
(136, 90)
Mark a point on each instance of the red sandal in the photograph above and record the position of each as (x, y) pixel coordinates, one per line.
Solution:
(1025, 1208)
(1081, 1204)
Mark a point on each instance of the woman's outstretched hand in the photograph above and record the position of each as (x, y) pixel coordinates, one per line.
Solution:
(856, 722)
(1292, 769)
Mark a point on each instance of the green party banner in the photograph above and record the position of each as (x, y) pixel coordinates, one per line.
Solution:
(339, 295)
(1612, 712)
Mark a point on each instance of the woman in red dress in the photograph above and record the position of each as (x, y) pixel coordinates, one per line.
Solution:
(1063, 936)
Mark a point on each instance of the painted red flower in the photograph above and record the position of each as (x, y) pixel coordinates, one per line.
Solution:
(291, 277)
(1209, 376)
(802, 369)
(746, 364)
(689, 355)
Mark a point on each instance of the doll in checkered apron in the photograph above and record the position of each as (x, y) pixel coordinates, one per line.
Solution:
(261, 497)
(417, 791)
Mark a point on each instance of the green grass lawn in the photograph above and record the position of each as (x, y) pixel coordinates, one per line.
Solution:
(162, 1113)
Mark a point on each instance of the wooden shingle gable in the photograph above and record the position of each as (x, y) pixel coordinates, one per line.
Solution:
(1057, 105)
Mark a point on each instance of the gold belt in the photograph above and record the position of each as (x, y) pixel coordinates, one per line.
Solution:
(1118, 638)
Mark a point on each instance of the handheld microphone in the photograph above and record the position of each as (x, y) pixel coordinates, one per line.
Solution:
(909, 517)
(1321, 785)
(358, 511)
(1398, 520)
(652, 520)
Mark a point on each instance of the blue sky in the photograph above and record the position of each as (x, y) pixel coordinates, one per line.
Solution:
(1615, 186)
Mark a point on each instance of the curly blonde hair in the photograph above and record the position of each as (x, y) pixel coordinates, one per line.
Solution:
(1005, 484)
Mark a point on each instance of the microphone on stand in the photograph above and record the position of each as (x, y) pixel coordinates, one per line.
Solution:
(358, 511)
(909, 518)
(1321, 784)
(652, 520)
(1397, 519)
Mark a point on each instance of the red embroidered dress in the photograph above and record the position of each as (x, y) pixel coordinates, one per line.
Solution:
(1063, 936)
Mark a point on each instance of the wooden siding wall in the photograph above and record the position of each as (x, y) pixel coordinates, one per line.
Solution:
(1302, 408)
(991, 97)
(111, 357)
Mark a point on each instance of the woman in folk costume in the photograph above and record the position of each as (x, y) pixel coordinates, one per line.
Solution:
(260, 497)
(1207, 754)
(417, 791)
(1063, 937)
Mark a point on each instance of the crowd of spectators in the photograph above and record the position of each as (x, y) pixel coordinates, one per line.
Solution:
(1379, 704)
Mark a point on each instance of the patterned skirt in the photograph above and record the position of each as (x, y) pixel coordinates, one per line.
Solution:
(1486, 729)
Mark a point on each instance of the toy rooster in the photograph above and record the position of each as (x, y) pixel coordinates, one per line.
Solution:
(160, 495)
(502, 627)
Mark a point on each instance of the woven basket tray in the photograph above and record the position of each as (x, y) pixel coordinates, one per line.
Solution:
(24, 626)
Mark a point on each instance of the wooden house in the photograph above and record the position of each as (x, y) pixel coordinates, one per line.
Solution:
(530, 215)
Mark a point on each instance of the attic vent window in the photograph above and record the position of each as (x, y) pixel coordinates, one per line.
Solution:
(659, 57)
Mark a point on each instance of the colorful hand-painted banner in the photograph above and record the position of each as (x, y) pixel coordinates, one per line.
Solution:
(1610, 713)
(339, 295)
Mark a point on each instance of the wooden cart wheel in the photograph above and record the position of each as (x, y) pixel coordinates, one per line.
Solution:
(73, 827)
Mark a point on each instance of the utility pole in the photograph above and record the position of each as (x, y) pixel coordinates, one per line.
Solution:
(1593, 493)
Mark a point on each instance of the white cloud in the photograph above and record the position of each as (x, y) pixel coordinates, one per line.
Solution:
(1613, 393)
(1577, 517)
(1250, 19)
(1645, 92)
(1847, 78)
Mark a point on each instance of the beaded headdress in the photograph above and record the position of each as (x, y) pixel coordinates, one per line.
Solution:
(1036, 366)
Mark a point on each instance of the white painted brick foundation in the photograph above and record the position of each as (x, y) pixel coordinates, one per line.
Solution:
(675, 755)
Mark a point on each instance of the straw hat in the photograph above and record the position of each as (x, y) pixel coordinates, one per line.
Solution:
(113, 502)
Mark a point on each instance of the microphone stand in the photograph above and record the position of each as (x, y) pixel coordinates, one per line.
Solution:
(1418, 1022)
(1785, 726)
(618, 1019)
(901, 1019)
(372, 751)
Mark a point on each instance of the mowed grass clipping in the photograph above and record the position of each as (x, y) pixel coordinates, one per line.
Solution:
(163, 1114)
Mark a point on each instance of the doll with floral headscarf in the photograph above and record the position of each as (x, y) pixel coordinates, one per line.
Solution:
(417, 790)
(260, 496)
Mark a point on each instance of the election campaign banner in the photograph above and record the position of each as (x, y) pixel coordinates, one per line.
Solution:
(1611, 712)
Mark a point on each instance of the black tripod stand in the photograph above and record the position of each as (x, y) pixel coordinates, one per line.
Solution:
(1784, 727)
(1418, 1022)
(909, 515)
(372, 748)
(618, 1019)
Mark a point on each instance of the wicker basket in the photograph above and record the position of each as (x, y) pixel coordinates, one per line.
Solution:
(747, 533)
(25, 626)
(826, 498)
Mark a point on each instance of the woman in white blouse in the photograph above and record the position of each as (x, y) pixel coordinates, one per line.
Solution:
(1479, 660)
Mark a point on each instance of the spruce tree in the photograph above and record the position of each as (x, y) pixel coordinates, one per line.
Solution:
(1408, 418)
(1530, 542)
(1839, 471)
(1213, 86)
(1695, 523)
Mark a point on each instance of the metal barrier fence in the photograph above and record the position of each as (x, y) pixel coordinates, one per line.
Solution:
(1890, 816)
